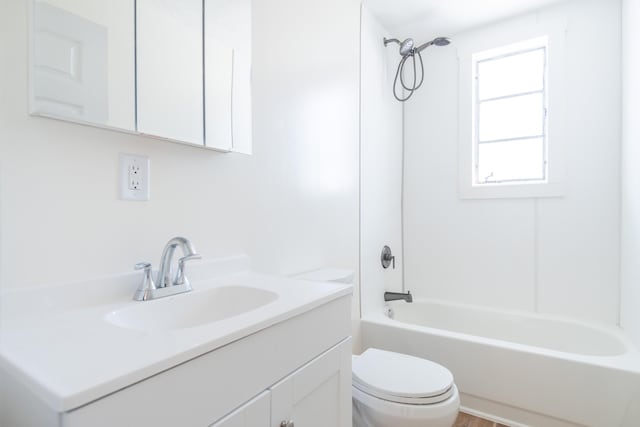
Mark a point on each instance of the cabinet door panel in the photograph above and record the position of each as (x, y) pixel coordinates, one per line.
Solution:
(227, 49)
(254, 413)
(170, 64)
(318, 394)
(82, 62)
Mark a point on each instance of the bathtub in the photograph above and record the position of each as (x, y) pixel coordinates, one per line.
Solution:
(516, 367)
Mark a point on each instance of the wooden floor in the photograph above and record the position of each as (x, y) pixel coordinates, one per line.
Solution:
(466, 420)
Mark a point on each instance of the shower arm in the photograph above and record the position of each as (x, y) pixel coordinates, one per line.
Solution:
(387, 41)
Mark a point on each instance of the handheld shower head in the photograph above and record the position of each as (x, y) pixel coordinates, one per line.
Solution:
(441, 41)
(438, 41)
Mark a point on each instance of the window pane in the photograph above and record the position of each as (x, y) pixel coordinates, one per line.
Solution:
(511, 75)
(511, 117)
(511, 160)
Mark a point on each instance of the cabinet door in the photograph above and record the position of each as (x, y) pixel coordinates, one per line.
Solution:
(82, 63)
(254, 413)
(227, 55)
(318, 394)
(169, 69)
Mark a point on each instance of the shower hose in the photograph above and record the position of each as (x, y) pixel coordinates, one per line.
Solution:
(400, 76)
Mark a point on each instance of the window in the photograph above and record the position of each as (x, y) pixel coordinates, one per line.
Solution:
(510, 108)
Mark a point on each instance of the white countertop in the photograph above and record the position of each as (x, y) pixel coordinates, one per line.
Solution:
(56, 340)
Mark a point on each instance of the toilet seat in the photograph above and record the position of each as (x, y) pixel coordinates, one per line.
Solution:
(401, 378)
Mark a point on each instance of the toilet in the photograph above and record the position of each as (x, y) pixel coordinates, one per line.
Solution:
(394, 389)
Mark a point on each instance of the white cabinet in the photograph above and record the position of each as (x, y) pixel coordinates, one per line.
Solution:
(174, 69)
(301, 367)
(170, 88)
(318, 394)
(254, 413)
(227, 56)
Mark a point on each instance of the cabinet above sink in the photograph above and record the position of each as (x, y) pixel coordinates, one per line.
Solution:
(178, 70)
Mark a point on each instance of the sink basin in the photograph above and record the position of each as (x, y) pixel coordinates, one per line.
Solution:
(191, 309)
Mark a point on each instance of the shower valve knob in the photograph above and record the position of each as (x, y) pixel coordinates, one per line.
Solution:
(387, 258)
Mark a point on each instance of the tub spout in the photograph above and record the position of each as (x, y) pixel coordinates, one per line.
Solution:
(393, 296)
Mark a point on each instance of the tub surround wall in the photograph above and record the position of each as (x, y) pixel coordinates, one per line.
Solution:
(292, 206)
(553, 255)
(630, 230)
(630, 292)
(381, 164)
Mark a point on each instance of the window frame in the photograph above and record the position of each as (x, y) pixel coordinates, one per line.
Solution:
(516, 37)
(528, 46)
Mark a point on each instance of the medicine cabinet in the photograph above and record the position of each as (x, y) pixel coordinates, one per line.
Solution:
(179, 70)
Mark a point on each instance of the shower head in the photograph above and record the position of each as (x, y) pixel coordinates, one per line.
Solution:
(406, 47)
(409, 52)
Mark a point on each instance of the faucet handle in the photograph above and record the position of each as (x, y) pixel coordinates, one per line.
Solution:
(181, 279)
(386, 257)
(147, 286)
(189, 257)
(142, 266)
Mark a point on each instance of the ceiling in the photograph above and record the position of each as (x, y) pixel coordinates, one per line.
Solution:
(422, 18)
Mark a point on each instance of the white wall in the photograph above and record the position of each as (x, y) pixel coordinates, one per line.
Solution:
(381, 165)
(556, 255)
(630, 292)
(292, 206)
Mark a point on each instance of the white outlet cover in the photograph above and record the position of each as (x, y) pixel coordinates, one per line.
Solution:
(142, 165)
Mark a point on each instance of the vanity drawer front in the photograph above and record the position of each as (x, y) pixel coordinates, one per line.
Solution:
(204, 389)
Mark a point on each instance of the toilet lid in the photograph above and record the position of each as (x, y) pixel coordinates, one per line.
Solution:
(401, 378)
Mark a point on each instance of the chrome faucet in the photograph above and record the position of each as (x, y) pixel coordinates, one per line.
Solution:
(166, 283)
(393, 296)
(164, 273)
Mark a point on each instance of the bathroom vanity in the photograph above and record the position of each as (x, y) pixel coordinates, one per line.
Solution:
(242, 349)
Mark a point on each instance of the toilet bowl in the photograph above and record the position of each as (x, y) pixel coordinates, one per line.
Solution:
(393, 389)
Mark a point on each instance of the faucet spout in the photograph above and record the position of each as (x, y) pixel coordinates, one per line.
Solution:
(164, 273)
(166, 285)
(394, 296)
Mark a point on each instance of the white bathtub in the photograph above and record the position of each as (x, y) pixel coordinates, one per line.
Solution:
(523, 368)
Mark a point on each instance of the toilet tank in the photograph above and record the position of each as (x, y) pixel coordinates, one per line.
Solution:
(328, 274)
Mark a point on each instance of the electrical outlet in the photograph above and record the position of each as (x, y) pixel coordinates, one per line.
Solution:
(134, 177)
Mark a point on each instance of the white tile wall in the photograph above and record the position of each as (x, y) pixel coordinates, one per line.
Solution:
(381, 160)
(630, 292)
(579, 235)
(555, 255)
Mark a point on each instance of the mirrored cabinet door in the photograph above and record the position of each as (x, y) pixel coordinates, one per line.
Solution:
(83, 61)
(227, 52)
(170, 69)
(173, 69)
